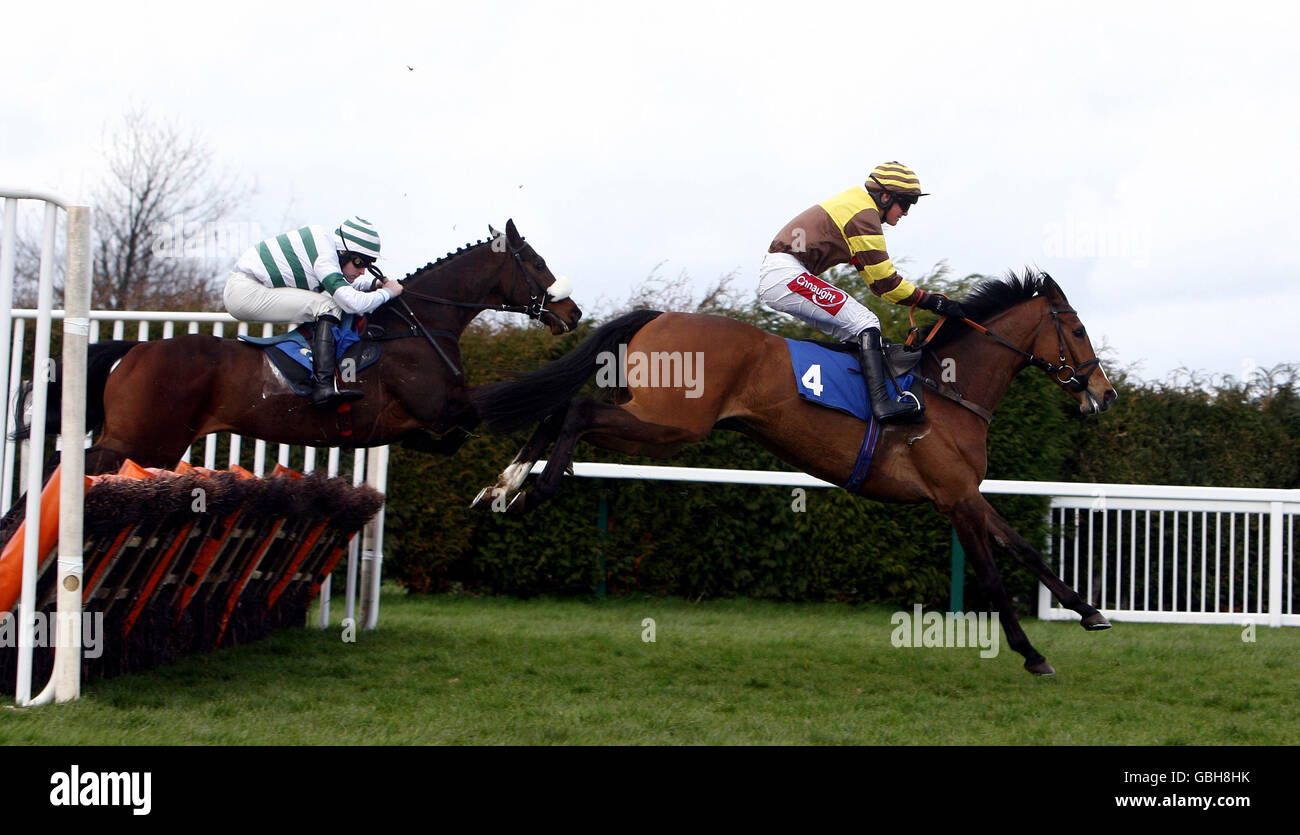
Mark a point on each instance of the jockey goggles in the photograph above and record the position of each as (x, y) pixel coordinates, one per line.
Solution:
(358, 261)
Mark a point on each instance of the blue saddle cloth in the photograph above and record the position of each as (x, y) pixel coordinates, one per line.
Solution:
(296, 344)
(834, 379)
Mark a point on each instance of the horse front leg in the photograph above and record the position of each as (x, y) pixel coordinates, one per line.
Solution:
(513, 477)
(1019, 548)
(971, 524)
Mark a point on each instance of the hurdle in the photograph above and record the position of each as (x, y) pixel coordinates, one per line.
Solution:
(190, 560)
(369, 467)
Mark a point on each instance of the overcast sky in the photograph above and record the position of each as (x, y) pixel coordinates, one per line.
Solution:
(1144, 154)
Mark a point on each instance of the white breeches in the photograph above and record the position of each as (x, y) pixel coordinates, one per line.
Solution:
(785, 285)
(249, 300)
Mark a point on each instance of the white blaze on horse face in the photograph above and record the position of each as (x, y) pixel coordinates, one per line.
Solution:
(560, 289)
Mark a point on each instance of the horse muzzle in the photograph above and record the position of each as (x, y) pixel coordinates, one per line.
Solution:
(1090, 404)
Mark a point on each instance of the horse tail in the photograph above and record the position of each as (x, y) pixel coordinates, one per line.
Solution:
(100, 359)
(514, 404)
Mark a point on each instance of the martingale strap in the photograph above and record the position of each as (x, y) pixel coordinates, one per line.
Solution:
(958, 399)
(932, 384)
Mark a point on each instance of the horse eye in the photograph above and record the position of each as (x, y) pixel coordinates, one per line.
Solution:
(1078, 332)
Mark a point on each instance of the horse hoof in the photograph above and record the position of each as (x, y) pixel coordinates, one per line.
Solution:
(1095, 622)
(1040, 668)
(518, 505)
(490, 498)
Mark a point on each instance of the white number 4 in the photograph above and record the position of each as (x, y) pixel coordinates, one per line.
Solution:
(812, 379)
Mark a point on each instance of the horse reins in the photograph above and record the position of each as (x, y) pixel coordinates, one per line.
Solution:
(537, 295)
(1070, 376)
(535, 308)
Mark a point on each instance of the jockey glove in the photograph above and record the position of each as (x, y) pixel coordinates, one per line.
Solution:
(941, 304)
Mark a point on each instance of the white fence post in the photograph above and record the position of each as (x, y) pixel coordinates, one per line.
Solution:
(66, 677)
(1275, 564)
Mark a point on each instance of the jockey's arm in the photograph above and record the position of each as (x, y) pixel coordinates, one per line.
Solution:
(352, 300)
(867, 254)
(892, 287)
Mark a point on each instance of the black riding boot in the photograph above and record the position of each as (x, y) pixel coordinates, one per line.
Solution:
(872, 360)
(325, 390)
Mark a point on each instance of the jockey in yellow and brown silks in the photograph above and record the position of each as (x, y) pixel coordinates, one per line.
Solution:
(847, 229)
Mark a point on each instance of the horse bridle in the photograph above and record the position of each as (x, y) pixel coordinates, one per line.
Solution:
(537, 294)
(535, 309)
(1065, 374)
(1074, 377)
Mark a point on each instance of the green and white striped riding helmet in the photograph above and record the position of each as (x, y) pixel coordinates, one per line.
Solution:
(356, 234)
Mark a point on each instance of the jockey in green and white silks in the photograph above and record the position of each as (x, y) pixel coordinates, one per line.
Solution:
(311, 274)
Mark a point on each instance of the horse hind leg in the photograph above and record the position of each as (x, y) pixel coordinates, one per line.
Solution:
(607, 426)
(514, 475)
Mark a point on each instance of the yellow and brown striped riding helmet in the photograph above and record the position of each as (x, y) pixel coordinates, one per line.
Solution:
(896, 178)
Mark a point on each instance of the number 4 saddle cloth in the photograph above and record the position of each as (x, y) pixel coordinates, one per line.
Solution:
(829, 376)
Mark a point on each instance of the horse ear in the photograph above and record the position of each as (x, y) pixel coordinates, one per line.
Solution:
(492, 231)
(1053, 290)
(511, 232)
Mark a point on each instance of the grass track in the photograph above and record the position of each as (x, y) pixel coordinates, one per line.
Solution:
(467, 671)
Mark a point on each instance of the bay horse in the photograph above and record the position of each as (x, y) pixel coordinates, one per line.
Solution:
(166, 394)
(747, 386)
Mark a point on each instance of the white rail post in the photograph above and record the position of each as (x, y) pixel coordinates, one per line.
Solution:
(35, 466)
(1275, 552)
(372, 560)
(66, 678)
(354, 547)
(1044, 593)
(7, 244)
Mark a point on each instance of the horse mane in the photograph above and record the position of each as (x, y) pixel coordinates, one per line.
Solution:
(449, 257)
(994, 296)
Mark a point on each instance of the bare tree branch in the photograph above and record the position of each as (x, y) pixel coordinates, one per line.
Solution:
(160, 184)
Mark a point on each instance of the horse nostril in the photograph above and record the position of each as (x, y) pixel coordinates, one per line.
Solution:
(1109, 397)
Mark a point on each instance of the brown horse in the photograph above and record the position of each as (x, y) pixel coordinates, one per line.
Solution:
(747, 386)
(167, 394)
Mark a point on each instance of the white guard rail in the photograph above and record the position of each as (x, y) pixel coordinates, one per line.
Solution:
(1139, 552)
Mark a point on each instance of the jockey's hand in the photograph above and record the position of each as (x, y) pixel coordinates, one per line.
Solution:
(393, 286)
(941, 304)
